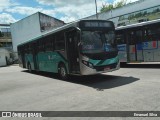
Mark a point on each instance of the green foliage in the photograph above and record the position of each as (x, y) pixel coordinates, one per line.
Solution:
(120, 3)
(108, 7)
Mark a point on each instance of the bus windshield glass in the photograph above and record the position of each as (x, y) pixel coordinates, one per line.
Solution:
(97, 41)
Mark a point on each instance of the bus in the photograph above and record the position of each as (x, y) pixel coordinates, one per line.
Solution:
(84, 47)
(139, 42)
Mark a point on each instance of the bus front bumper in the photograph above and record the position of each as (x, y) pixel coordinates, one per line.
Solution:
(85, 70)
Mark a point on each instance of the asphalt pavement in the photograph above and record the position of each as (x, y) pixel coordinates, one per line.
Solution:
(127, 89)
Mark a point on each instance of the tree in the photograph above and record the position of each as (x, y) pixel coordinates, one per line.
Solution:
(108, 7)
(120, 4)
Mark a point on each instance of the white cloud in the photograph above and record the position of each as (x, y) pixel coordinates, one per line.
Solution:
(23, 10)
(68, 19)
(6, 4)
(6, 18)
(60, 3)
(73, 9)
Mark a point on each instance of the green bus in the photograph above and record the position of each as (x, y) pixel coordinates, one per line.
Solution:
(84, 47)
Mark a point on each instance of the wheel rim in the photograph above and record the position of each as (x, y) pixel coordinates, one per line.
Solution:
(63, 72)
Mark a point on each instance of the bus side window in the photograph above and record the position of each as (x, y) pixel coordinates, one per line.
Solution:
(27, 48)
(138, 36)
(38, 47)
(120, 39)
(48, 43)
(150, 34)
(30, 48)
(153, 33)
(41, 45)
(53, 42)
(132, 38)
(146, 37)
(60, 41)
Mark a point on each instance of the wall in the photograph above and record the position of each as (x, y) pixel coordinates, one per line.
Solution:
(3, 54)
(25, 30)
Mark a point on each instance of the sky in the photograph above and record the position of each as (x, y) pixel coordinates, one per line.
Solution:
(66, 10)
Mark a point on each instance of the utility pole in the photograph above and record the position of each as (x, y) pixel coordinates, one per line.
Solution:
(96, 9)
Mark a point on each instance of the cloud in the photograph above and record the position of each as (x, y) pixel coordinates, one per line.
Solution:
(61, 3)
(74, 9)
(68, 19)
(6, 4)
(23, 10)
(6, 18)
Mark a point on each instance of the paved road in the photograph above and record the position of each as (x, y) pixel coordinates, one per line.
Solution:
(128, 89)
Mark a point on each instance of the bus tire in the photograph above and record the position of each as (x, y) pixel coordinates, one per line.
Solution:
(62, 72)
(29, 67)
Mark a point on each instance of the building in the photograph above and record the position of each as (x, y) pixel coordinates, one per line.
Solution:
(136, 12)
(6, 57)
(31, 27)
(6, 52)
(5, 36)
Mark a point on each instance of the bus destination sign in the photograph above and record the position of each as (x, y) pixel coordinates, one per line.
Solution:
(97, 24)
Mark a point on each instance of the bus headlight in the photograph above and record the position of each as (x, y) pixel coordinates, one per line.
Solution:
(90, 65)
(87, 63)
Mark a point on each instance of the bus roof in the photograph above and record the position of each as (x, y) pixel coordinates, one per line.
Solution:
(138, 24)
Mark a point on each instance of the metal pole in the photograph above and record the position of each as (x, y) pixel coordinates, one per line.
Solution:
(96, 9)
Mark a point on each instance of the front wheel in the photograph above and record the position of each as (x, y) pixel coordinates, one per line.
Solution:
(63, 72)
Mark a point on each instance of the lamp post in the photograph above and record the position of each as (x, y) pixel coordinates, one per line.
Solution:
(96, 9)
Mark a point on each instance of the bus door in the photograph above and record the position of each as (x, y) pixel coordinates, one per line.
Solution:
(135, 46)
(132, 46)
(22, 54)
(34, 48)
(151, 43)
(72, 38)
(139, 45)
(122, 46)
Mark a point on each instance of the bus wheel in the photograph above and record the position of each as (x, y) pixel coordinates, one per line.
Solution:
(29, 67)
(63, 72)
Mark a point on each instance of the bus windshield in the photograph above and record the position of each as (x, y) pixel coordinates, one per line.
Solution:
(97, 41)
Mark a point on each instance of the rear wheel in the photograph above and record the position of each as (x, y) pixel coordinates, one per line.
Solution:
(63, 72)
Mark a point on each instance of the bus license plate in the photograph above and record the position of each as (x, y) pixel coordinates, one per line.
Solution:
(106, 68)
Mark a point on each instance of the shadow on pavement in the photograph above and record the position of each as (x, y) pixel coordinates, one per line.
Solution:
(99, 82)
